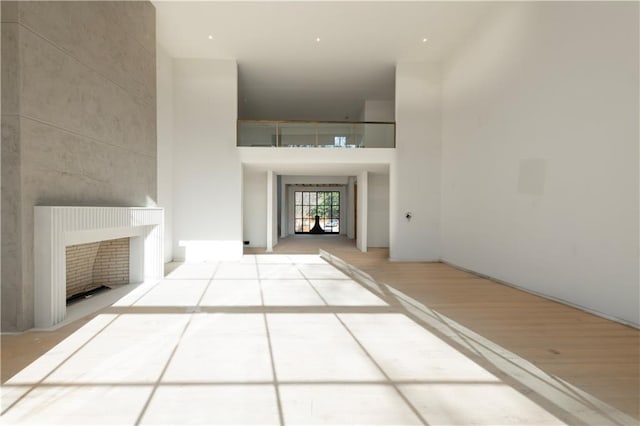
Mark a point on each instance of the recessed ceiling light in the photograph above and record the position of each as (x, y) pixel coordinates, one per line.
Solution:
(318, 39)
(210, 37)
(424, 40)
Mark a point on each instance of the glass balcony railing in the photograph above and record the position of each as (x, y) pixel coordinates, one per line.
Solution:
(312, 134)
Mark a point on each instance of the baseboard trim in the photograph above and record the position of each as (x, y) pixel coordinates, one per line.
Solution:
(545, 296)
(425, 260)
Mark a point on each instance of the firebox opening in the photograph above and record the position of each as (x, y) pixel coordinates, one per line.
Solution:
(95, 267)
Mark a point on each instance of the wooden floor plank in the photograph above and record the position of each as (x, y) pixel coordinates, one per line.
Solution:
(599, 356)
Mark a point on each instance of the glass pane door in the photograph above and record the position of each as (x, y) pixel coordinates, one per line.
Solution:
(324, 204)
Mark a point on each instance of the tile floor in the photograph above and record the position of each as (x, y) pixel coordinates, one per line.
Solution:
(273, 339)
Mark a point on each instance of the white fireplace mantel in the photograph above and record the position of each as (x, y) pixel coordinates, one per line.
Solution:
(57, 227)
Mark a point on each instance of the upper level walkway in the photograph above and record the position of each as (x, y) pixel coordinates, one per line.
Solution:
(316, 134)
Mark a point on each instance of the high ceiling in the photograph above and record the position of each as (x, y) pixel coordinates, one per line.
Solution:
(285, 73)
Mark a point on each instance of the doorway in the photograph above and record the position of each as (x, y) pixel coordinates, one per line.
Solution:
(324, 204)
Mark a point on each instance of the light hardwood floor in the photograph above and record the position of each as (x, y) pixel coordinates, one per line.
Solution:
(595, 355)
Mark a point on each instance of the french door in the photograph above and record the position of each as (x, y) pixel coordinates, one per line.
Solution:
(324, 204)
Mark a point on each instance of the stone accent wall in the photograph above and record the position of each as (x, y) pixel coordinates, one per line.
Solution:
(78, 121)
(96, 264)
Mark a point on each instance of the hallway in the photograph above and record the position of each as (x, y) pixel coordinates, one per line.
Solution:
(284, 339)
(308, 244)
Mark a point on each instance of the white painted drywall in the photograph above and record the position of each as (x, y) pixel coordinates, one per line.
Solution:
(351, 207)
(283, 200)
(254, 208)
(164, 93)
(310, 180)
(362, 213)
(415, 174)
(540, 135)
(207, 171)
(344, 161)
(378, 207)
(271, 189)
(378, 111)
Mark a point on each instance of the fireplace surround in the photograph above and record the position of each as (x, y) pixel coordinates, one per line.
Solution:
(57, 227)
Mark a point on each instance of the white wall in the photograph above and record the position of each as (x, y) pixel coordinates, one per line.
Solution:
(272, 210)
(207, 170)
(254, 208)
(362, 212)
(540, 135)
(415, 173)
(164, 87)
(378, 207)
(309, 158)
(351, 207)
(319, 180)
(378, 111)
(284, 202)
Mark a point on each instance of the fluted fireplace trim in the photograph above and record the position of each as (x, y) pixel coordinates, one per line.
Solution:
(57, 227)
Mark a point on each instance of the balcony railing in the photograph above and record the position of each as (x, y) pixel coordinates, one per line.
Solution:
(312, 134)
